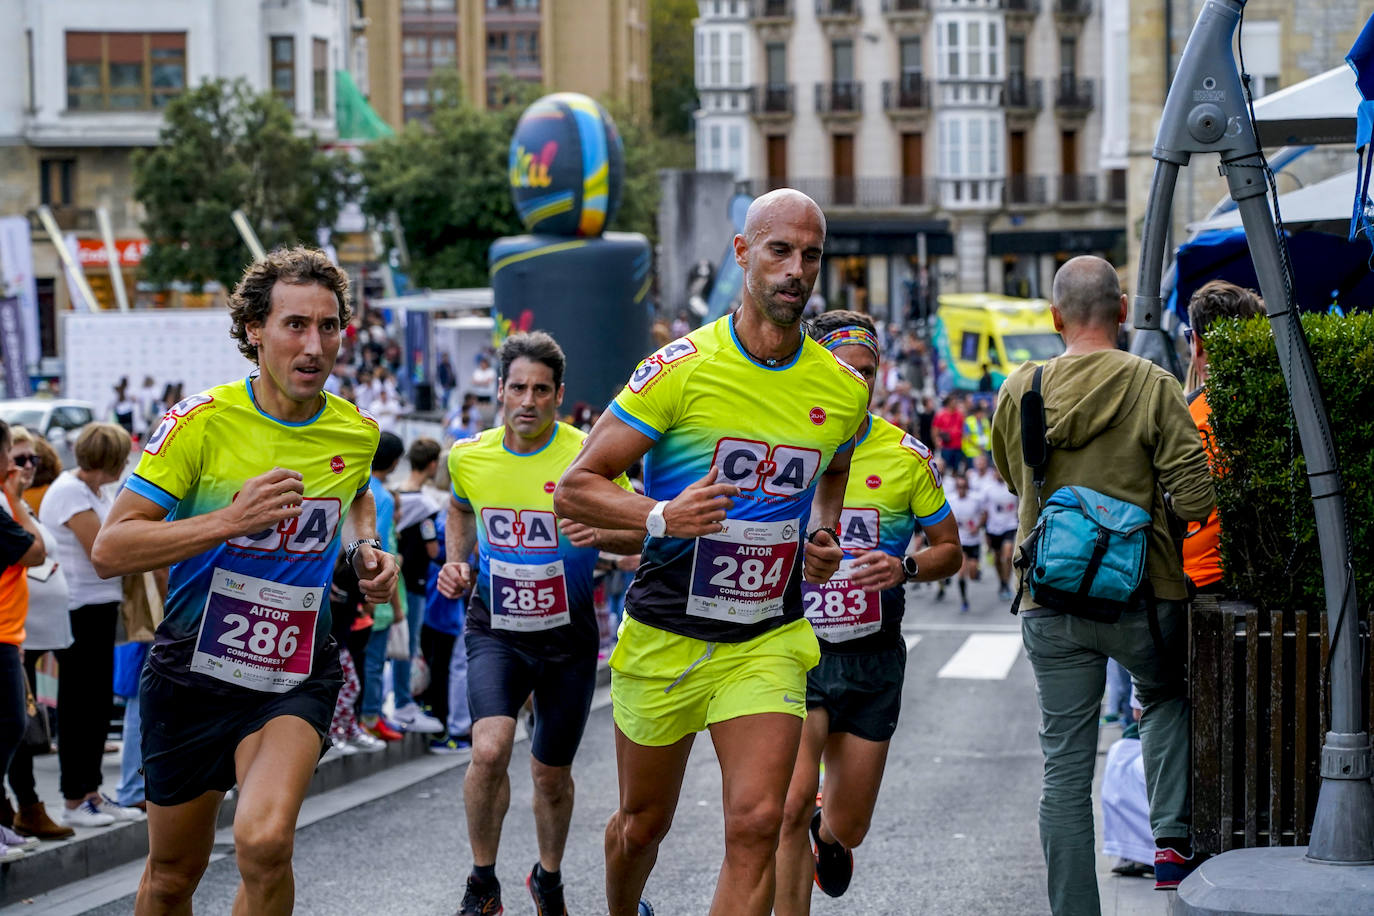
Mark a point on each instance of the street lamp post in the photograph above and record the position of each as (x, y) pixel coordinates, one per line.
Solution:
(1206, 112)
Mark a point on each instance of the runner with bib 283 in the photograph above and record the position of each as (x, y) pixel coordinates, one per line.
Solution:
(854, 695)
(531, 622)
(244, 491)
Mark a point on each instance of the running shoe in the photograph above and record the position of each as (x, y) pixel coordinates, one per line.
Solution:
(86, 814)
(645, 908)
(382, 729)
(547, 902)
(366, 743)
(449, 745)
(414, 719)
(963, 607)
(481, 901)
(14, 841)
(120, 813)
(1129, 868)
(834, 863)
(1004, 593)
(1171, 868)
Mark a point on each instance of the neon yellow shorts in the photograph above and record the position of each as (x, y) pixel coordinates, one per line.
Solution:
(665, 687)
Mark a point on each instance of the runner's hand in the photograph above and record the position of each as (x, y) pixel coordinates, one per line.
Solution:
(377, 571)
(701, 508)
(266, 500)
(875, 571)
(578, 535)
(454, 580)
(823, 556)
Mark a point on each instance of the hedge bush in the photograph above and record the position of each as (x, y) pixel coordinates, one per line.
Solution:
(1269, 542)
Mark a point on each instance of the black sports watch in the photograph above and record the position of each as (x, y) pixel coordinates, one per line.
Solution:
(910, 568)
(351, 550)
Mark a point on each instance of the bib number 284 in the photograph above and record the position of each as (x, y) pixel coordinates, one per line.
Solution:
(750, 575)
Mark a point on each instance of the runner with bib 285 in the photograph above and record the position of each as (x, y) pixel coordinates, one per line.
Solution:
(854, 695)
(256, 480)
(531, 622)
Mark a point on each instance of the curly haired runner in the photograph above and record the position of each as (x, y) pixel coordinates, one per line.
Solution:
(245, 488)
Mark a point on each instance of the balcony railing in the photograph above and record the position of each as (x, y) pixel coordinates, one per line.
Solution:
(772, 9)
(837, 8)
(68, 218)
(905, 6)
(1073, 9)
(774, 99)
(1021, 94)
(910, 93)
(1027, 190)
(1021, 7)
(874, 193)
(840, 97)
(1073, 95)
(1078, 189)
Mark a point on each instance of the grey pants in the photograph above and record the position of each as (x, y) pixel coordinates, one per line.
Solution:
(1069, 655)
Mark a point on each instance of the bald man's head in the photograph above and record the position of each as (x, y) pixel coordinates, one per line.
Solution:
(1087, 291)
(784, 203)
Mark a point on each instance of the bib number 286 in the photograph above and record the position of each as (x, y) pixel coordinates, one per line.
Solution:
(266, 639)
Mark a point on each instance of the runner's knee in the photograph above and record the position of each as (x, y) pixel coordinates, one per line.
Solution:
(753, 823)
(797, 811)
(490, 753)
(849, 829)
(553, 783)
(643, 829)
(172, 882)
(262, 846)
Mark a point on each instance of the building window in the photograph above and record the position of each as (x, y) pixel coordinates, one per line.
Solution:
(509, 6)
(734, 158)
(969, 146)
(526, 50)
(109, 71)
(776, 58)
(498, 51)
(736, 61)
(969, 47)
(1068, 58)
(428, 52)
(429, 6)
(910, 52)
(416, 102)
(283, 49)
(513, 50)
(713, 59)
(1260, 42)
(842, 60)
(319, 77)
(56, 182)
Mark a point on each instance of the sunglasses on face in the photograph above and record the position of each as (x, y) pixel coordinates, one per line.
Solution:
(25, 460)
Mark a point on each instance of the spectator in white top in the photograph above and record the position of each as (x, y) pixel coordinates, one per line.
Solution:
(73, 509)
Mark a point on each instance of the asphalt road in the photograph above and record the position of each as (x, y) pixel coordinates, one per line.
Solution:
(955, 830)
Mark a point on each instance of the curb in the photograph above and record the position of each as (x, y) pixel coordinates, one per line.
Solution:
(54, 864)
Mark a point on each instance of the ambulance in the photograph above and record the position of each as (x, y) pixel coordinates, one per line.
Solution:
(974, 331)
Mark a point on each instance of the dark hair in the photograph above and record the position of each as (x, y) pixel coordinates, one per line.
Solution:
(826, 322)
(390, 448)
(535, 346)
(422, 451)
(252, 297)
(1219, 299)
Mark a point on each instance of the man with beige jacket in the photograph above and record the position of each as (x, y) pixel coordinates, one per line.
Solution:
(1118, 424)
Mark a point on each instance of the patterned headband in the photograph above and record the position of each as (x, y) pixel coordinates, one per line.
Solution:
(850, 335)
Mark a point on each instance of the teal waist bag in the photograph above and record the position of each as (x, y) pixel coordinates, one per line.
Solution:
(1086, 555)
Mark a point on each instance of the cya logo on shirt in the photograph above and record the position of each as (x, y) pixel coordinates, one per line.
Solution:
(310, 532)
(781, 470)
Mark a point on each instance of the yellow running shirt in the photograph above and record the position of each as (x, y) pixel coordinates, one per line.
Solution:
(893, 486)
(771, 432)
(541, 584)
(252, 612)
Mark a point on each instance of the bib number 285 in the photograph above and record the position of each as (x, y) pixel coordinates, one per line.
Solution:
(266, 639)
(527, 599)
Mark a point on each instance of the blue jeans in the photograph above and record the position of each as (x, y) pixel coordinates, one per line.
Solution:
(130, 791)
(1119, 691)
(400, 668)
(374, 664)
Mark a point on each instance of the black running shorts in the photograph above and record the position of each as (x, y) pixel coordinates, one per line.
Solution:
(973, 551)
(190, 734)
(501, 677)
(861, 693)
(995, 541)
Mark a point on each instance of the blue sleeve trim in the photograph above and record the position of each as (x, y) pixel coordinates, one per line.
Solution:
(937, 517)
(466, 502)
(152, 491)
(634, 422)
(848, 444)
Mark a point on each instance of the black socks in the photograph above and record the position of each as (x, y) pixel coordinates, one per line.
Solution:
(547, 880)
(484, 875)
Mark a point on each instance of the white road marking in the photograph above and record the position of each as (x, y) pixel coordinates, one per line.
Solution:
(911, 640)
(984, 657)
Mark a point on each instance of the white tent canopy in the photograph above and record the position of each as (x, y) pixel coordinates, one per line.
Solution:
(1326, 201)
(1317, 110)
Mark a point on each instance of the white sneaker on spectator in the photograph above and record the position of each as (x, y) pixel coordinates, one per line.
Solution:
(14, 841)
(117, 811)
(338, 744)
(10, 853)
(86, 814)
(415, 719)
(362, 741)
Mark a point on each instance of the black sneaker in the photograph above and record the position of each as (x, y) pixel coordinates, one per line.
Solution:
(481, 900)
(546, 902)
(834, 863)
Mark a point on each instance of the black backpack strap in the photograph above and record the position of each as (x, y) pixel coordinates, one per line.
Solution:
(1035, 448)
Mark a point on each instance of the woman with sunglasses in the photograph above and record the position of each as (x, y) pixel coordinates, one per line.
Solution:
(73, 509)
(46, 628)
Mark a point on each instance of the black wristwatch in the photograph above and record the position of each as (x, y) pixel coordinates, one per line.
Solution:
(811, 538)
(910, 568)
(351, 550)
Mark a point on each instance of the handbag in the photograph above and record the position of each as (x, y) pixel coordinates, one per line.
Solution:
(37, 735)
(141, 610)
(398, 640)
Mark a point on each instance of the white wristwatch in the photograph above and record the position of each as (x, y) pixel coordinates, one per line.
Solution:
(655, 524)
